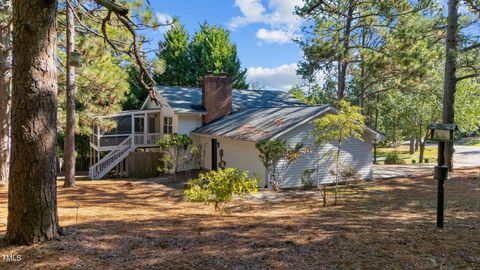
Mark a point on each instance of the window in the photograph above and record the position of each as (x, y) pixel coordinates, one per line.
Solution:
(152, 128)
(167, 125)
(139, 125)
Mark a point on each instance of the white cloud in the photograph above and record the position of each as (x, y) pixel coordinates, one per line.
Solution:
(252, 10)
(282, 77)
(273, 36)
(279, 17)
(164, 19)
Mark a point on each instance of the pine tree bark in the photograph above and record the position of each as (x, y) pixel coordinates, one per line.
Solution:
(343, 64)
(69, 145)
(450, 80)
(5, 74)
(32, 203)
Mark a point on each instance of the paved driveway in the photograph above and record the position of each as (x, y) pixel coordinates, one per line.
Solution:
(464, 157)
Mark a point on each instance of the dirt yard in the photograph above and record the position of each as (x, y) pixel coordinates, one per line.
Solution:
(389, 224)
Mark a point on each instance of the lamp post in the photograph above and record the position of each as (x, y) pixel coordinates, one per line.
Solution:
(441, 133)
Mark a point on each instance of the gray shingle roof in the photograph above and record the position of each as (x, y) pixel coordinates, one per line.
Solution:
(189, 100)
(255, 124)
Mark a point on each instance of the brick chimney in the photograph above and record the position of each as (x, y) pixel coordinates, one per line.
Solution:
(216, 97)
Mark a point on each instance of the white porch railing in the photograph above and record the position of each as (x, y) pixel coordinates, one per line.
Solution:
(109, 142)
(108, 162)
(153, 138)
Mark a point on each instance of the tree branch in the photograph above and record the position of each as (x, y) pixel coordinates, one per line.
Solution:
(121, 13)
(113, 7)
(471, 47)
(472, 75)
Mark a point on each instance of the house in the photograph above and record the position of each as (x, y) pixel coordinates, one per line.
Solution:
(228, 123)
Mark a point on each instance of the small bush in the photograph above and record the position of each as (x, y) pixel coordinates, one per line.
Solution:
(349, 173)
(393, 158)
(175, 148)
(220, 186)
(307, 180)
(426, 160)
(414, 161)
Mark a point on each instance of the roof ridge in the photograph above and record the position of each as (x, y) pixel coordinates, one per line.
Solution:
(234, 89)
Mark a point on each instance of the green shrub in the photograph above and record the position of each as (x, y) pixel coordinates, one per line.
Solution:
(393, 158)
(175, 148)
(307, 180)
(349, 173)
(220, 186)
(274, 151)
(414, 161)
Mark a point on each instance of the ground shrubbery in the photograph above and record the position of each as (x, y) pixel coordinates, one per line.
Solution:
(180, 154)
(219, 187)
(307, 180)
(393, 158)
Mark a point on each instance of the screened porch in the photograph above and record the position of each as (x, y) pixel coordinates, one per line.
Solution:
(145, 128)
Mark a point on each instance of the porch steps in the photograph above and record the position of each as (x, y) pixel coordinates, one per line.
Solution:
(112, 159)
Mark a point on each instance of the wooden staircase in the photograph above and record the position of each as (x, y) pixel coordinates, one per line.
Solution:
(112, 159)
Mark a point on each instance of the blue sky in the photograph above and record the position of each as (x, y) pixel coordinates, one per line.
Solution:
(261, 29)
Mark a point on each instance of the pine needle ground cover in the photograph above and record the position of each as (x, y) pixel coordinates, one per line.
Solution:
(150, 225)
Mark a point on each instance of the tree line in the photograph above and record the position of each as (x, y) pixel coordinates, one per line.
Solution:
(405, 63)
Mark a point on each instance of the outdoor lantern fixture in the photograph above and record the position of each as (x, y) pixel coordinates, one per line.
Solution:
(441, 133)
(74, 59)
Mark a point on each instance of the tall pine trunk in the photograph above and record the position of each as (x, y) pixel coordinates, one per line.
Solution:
(5, 73)
(69, 145)
(32, 193)
(450, 80)
(343, 65)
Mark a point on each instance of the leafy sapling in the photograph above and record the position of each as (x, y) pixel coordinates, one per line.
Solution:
(272, 153)
(219, 187)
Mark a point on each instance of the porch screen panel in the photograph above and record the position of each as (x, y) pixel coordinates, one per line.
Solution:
(124, 125)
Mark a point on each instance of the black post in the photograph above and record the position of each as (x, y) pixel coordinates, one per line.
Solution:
(441, 153)
(440, 189)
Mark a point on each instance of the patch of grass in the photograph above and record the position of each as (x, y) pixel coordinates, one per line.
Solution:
(403, 152)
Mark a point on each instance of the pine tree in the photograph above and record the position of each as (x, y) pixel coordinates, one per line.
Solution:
(32, 193)
(210, 50)
(5, 73)
(69, 146)
(343, 30)
(174, 54)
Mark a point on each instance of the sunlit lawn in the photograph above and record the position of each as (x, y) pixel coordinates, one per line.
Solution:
(403, 150)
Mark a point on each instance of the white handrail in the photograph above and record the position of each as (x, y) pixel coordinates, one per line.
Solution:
(109, 161)
(139, 140)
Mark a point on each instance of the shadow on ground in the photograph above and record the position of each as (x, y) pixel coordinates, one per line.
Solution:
(148, 225)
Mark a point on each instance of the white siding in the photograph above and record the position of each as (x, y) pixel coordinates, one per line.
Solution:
(207, 150)
(356, 153)
(188, 123)
(237, 154)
